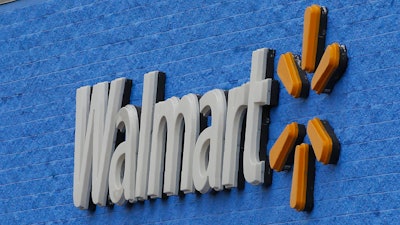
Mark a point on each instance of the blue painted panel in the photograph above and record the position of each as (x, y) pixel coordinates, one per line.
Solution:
(51, 48)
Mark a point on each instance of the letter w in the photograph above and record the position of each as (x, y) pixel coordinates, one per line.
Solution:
(95, 137)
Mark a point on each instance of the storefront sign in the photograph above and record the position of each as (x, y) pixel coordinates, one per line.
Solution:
(129, 153)
(174, 149)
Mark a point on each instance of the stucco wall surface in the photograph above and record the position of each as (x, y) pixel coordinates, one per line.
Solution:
(51, 48)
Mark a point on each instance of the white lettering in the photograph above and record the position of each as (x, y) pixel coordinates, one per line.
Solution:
(259, 95)
(168, 154)
(94, 140)
(163, 114)
(125, 154)
(208, 153)
(150, 91)
(237, 106)
(174, 116)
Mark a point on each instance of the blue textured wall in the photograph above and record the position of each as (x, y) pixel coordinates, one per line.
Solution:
(49, 49)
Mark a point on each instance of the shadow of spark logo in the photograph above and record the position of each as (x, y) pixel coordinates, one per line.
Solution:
(327, 65)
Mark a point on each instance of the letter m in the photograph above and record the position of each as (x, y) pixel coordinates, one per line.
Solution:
(95, 136)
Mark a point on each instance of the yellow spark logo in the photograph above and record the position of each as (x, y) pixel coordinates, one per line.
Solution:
(328, 64)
